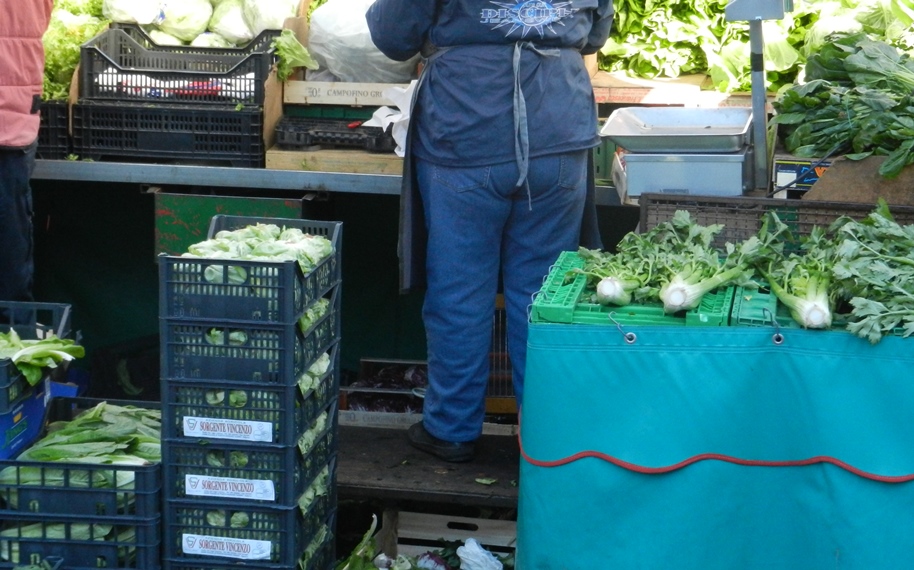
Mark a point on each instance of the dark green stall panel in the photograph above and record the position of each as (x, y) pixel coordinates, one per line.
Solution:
(183, 219)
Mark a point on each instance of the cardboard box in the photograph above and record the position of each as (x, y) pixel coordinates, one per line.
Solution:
(386, 387)
(299, 91)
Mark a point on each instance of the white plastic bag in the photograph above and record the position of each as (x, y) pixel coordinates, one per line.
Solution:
(339, 40)
(474, 557)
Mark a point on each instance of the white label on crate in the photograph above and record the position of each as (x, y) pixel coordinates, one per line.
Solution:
(228, 429)
(203, 545)
(205, 486)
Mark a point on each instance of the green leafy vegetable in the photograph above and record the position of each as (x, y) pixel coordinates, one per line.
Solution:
(313, 314)
(875, 271)
(66, 33)
(32, 356)
(616, 278)
(858, 100)
(106, 434)
(801, 280)
(291, 54)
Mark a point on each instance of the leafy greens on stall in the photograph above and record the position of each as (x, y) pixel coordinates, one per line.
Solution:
(855, 274)
(33, 356)
(875, 271)
(858, 101)
(801, 279)
(673, 262)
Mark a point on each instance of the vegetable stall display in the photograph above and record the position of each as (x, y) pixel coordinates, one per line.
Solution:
(668, 39)
(853, 274)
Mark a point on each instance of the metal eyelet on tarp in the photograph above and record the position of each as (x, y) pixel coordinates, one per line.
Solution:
(777, 338)
(629, 337)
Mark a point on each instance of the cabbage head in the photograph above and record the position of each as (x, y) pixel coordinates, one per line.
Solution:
(186, 19)
(131, 11)
(160, 38)
(211, 40)
(228, 21)
(263, 15)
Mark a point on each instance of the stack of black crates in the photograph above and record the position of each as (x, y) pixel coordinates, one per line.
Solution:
(249, 408)
(142, 101)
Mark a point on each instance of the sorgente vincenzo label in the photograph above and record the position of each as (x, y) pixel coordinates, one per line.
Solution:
(218, 428)
(230, 488)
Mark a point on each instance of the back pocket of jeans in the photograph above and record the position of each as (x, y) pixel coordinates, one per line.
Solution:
(462, 179)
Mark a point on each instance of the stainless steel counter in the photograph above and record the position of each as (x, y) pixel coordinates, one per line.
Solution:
(231, 177)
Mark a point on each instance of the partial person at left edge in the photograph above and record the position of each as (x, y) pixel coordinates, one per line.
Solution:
(22, 25)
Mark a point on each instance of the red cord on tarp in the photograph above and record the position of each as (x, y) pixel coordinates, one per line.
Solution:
(703, 457)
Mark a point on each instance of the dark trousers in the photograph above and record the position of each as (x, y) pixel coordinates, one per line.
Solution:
(16, 241)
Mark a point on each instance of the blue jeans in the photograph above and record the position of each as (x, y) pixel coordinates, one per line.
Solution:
(16, 263)
(482, 227)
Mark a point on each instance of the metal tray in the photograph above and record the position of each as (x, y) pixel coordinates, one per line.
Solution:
(678, 129)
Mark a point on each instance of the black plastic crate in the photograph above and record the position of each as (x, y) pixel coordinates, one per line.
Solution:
(76, 488)
(299, 132)
(82, 541)
(240, 351)
(213, 471)
(203, 536)
(124, 64)
(237, 411)
(210, 135)
(275, 292)
(31, 321)
(54, 130)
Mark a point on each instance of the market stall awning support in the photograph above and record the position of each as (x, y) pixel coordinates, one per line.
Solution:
(755, 12)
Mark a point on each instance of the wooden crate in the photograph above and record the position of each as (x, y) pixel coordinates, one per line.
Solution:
(412, 534)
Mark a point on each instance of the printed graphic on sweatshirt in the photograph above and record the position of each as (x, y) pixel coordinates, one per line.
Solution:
(527, 15)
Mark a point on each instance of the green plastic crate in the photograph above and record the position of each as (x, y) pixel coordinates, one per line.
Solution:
(756, 307)
(561, 302)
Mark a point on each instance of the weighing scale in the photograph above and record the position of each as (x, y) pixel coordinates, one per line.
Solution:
(700, 151)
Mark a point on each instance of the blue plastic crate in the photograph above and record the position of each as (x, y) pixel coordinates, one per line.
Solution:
(201, 536)
(71, 488)
(238, 411)
(83, 541)
(273, 292)
(240, 351)
(324, 558)
(214, 471)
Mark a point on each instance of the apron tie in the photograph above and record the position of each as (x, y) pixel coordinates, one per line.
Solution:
(521, 132)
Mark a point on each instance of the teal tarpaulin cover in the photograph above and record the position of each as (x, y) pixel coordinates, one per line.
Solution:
(718, 447)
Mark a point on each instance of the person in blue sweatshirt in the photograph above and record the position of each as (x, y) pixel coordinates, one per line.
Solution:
(498, 180)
